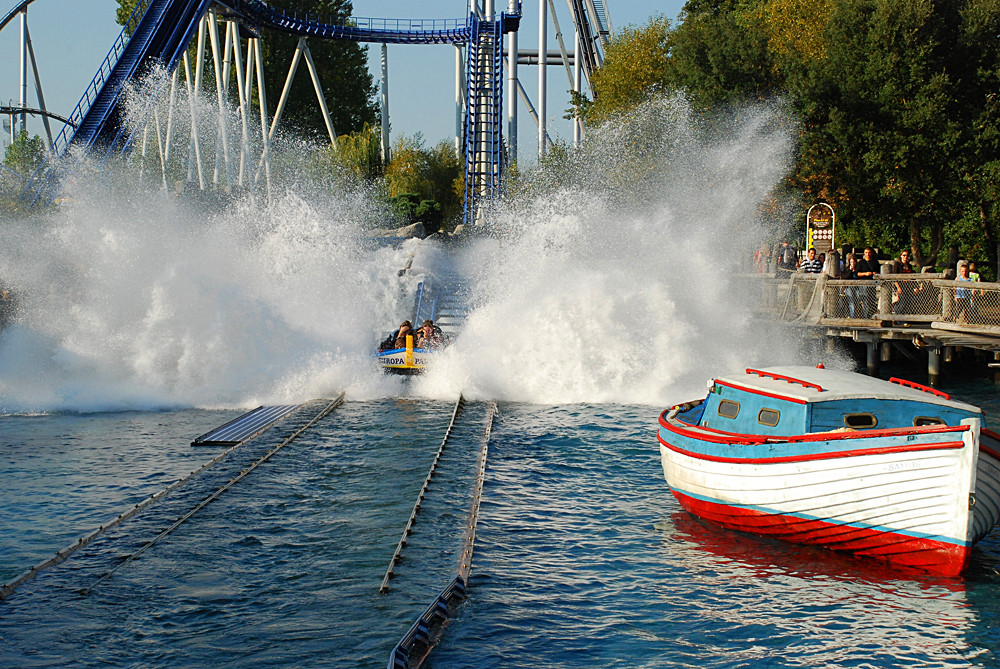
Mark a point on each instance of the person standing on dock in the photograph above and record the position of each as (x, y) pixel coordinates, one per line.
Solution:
(812, 264)
(965, 307)
(868, 267)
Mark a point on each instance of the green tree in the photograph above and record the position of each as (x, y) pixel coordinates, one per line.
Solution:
(360, 153)
(884, 115)
(416, 175)
(24, 154)
(719, 55)
(634, 69)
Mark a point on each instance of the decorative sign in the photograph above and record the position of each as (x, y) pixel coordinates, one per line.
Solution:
(820, 223)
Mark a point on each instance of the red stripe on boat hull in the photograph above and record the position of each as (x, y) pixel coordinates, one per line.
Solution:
(937, 556)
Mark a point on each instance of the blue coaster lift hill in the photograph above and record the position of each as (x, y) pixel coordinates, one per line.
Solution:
(159, 31)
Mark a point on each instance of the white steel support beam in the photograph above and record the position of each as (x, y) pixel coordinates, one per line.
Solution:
(38, 87)
(242, 93)
(213, 34)
(559, 40)
(512, 88)
(542, 67)
(23, 72)
(262, 100)
(170, 116)
(195, 146)
(288, 87)
(577, 70)
(384, 135)
(319, 93)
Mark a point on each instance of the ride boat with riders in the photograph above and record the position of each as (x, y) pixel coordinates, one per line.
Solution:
(892, 470)
(408, 351)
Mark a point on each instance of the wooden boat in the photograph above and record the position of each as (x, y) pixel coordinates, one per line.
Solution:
(888, 469)
(407, 360)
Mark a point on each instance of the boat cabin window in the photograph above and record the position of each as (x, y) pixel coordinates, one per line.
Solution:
(729, 409)
(768, 417)
(920, 421)
(860, 421)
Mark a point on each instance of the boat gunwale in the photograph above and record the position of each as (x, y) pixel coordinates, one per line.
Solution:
(824, 455)
(699, 433)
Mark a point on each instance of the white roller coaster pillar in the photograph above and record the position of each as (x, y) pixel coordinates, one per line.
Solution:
(577, 69)
(385, 105)
(24, 72)
(543, 40)
(512, 88)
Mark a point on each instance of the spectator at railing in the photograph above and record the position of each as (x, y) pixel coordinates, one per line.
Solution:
(855, 294)
(762, 259)
(812, 264)
(903, 264)
(868, 267)
(965, 306)
(973, 274)
(787, 257)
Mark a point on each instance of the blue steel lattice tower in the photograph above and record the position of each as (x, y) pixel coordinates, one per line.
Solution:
(484, 87)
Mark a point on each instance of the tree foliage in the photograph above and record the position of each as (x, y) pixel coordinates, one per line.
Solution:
(360, 153)
(634, 69)
(896, 102)
(416, 174)
(24, 154)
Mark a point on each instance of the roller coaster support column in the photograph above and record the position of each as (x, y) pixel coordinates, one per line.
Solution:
(262, 98)
(512, 84)
(543, 40)
(385, 106)
(577, 69)
(213, 35)
(193, 146)
(243, 93)
(24, 73)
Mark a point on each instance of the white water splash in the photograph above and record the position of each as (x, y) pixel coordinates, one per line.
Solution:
(606, 289)
(600, 283)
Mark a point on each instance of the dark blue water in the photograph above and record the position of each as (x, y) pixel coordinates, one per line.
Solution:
(583, 557)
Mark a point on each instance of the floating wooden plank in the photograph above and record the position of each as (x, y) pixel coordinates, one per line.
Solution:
(240, 429)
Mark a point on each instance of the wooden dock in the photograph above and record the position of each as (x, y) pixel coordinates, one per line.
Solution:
(905, 314)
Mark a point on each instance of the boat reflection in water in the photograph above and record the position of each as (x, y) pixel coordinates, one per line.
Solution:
(791, 605)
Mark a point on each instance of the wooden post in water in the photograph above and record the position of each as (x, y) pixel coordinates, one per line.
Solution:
(872, 348)
(934, 365)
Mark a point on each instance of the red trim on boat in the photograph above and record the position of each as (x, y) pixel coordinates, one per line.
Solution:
(830, 455)
(775, 396)
(789, 379)
(697, 432)
(941, 557)
(919, 386)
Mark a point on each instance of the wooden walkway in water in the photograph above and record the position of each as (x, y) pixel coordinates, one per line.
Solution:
(908, 314)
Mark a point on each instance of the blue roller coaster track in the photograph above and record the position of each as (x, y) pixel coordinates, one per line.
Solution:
(159, 31)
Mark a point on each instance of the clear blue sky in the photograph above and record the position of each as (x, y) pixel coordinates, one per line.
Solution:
(72, 37)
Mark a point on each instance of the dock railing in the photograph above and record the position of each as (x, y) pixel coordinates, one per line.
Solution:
(889, 299)
(969, 306)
